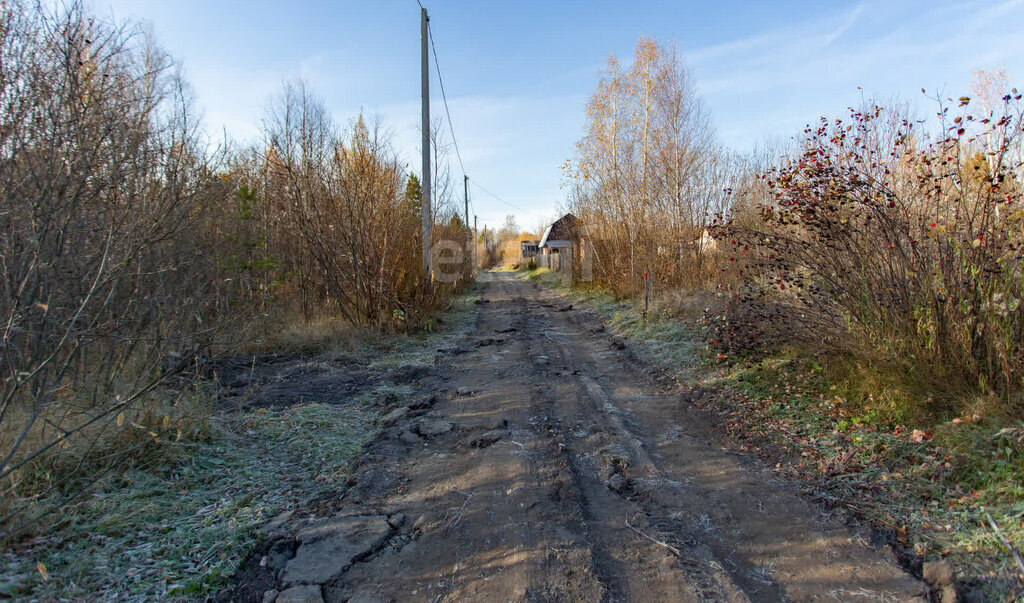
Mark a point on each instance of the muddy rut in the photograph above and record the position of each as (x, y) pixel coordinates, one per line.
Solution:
(542, 461)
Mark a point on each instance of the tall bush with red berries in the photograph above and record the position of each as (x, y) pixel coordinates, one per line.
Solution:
(879, 238)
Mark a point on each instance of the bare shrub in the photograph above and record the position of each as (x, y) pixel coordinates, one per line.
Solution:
(335, 224)
(131, 249)
(102, 177)
(882, 241)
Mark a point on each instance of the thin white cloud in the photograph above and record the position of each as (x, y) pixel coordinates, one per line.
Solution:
(775, 82)
(802, 36)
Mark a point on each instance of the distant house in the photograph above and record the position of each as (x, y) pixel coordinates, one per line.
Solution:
(562, 247)
(560, 235)
(529, 249)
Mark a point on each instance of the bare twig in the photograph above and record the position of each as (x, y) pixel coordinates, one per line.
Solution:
(668, 546)
(458, 516)
(834, 471)
(1006, 542)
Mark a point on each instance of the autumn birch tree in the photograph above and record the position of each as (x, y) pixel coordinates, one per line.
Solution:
(645, 171)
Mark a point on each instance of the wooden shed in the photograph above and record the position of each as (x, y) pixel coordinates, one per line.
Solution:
(562, 248)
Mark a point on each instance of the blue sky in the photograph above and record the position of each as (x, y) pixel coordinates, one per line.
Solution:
(518, 74)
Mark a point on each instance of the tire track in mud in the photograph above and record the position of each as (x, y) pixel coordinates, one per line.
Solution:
(572, 547)
(771, 551)
(539, 440)
(605, 500)
(568, 487)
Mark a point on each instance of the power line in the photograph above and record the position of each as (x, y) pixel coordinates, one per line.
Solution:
(451, 127)
(512, 205)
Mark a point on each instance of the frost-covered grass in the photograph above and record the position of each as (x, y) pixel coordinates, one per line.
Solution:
(176, 522)
(181, 528)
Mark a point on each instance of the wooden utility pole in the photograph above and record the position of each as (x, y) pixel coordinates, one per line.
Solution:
(427, 215)
(475, 239)
(469, 257)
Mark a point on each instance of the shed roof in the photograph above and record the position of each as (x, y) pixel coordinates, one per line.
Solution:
(565, 228)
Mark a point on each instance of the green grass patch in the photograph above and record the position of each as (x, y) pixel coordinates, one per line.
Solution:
(933, 483)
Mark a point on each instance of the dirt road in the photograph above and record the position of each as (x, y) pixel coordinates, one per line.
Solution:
(539, 460)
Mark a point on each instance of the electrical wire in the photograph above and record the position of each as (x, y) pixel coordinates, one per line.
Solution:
(451, 126)
(437, 67)
(512, 205)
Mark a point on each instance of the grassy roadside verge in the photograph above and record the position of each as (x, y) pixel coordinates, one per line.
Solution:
(178, 522)
(181, 527)
(930, 487)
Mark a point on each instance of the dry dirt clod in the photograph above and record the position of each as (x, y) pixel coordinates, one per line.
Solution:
(394, 415)
(397, 520)
(270, 596)
(420, 523)
(425, 402)
(277, 522)
(408, 437)
(431, 428)
(486, 439)
(328, 548)
(281, 550)
(308, 593)
(938, 573)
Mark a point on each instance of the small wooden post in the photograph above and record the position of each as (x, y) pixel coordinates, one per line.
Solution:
(646, 299)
